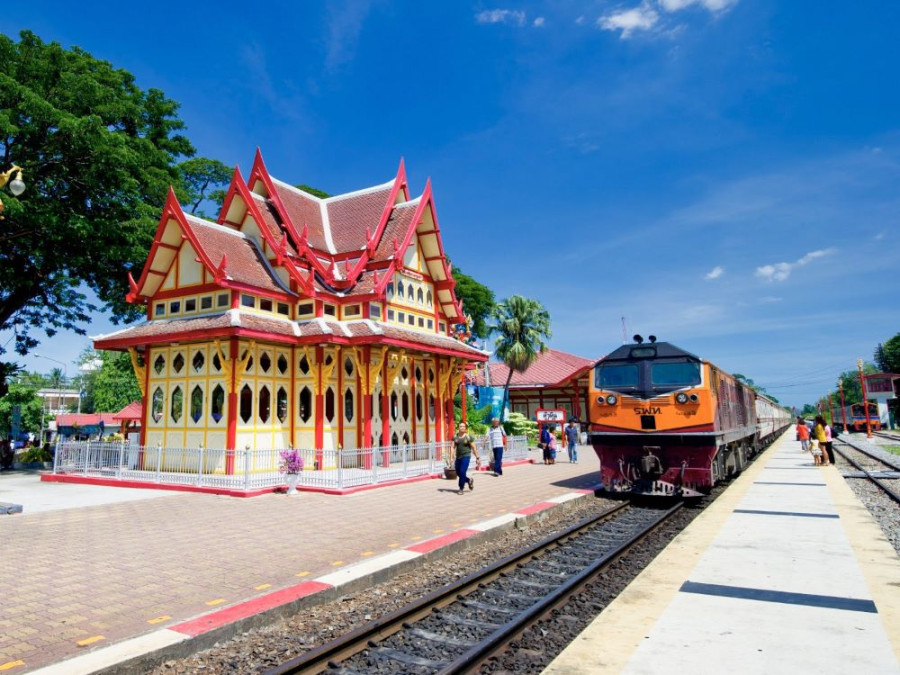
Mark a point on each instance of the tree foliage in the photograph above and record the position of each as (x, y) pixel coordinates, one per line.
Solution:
(98, 154)
(478, 302)
(111, 384)
(202, 179)
(891, 352)
(522, 325)
(315, 192)
(852, 387)
(24, 395)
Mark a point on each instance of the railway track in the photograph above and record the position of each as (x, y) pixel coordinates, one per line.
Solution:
(461, 626)
(879, 481)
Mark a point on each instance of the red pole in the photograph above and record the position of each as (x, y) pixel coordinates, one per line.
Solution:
(865, 401)
(843, 408)
(462, 393)
(830, 409)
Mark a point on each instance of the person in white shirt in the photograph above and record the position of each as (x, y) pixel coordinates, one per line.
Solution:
(497, 440)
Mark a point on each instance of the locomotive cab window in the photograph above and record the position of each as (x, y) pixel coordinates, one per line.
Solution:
(616, 375)
(681, 373)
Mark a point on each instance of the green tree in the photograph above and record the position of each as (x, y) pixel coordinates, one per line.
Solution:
(852, 388)
(315, 192)
(809, 411)
(891, 350)
(521, 325)
(478, 302)
(199, 174)
(98, 155)
(114, 385)
(24, 395)
(881, 359)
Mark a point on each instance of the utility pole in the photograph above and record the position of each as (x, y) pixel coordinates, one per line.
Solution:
(865, 400)
(843, 408)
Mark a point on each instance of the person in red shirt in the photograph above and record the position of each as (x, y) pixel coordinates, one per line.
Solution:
(803, 434)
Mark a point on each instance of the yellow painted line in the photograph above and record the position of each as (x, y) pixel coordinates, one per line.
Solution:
(262, 587)
(367, 553)
(217, 601)
(415, 538)
(393, 545)
(455, 524)
(159, 619)
(90, 640)
(337, 563)
(438, 531)
(9, 665)
(302, 574)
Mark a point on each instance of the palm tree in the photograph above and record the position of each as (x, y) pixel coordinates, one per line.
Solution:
(522, 325)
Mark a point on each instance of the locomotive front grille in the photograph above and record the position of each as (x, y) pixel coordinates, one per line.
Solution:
(648, 422)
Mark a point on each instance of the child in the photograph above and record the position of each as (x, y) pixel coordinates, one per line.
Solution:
(816, 450)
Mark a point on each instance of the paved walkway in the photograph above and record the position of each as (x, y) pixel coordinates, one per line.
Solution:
(78, 578)
(786, 572)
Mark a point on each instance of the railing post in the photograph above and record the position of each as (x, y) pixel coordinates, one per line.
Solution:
(340, 468)
(200, 467)
(158, 462)
(405, 459)
(121, 460)
(87, 456)
(247, 468)
(56, 456)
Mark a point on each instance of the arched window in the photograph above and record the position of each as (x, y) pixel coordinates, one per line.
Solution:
(196, 403)
(156, 409)
(431, 408)
(265, 403)
(177, 401)
(405, 406)
(405, 438)
(429, 299)
(246, 405)
(348, 405)
(419, 407)
(409, 292)
(281, 403)
(305, 404)
(394, 405)
(389, 291)
(217, 404)
(394, 439)
(329, 404)
(420, 296)
(400, 291)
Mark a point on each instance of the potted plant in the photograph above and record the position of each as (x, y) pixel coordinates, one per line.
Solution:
(291, 466)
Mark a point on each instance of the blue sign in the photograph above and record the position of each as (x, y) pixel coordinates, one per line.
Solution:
(492, 396)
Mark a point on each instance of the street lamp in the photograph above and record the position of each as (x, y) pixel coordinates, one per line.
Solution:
(16, 185)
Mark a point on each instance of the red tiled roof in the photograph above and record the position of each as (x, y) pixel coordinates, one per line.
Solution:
(245, 262)
(350, 216)
(303, 209)
(132, 411)
(397, 228)
(86, 419)
(271, 220)
(550, 368)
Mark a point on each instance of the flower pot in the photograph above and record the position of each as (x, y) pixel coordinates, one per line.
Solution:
(292, 479)
(450, 473)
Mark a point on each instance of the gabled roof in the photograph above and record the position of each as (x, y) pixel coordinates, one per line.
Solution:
(86, 419)
(551, 368)
(131, 412)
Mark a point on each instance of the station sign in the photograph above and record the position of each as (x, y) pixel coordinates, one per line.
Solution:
(544, 416)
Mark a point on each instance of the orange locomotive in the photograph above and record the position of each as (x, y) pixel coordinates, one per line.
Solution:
(666, 423)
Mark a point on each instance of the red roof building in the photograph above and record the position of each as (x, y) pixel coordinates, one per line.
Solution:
(296, 321)
(555, 381)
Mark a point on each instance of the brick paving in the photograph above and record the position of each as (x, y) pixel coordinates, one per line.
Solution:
(99, 574)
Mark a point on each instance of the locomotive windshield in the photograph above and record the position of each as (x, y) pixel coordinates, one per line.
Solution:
(616, 375)
(679, 373)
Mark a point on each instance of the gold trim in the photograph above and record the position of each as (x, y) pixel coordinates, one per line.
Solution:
(140, 371)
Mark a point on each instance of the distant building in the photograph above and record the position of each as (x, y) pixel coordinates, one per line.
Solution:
(57, 401)
(297, 321)
(556, 380)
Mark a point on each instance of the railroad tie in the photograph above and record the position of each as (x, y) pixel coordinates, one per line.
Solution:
(437, 637)
(388, 654)
(449, 617)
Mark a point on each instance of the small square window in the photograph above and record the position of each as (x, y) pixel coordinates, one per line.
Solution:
(401, 317)
(206, 302)
(411, 320)
(284, 308)
(351, 310)
(330, 310)
(421, 322)
(247, 300)
(390, 315)
(265, 304)
(430, 324)
(190, 305)
(375, 310)
(160, 309)
(443, 327)
(175, 307)
(305, 309)
(222, 300)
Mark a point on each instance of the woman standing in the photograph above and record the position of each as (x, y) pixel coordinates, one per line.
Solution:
(464, 448)
(821, 437)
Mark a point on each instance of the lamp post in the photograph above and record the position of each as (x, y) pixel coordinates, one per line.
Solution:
(16, 185)
(865, 400)
(843, 407)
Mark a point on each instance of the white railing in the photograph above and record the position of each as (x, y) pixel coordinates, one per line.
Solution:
(249, 470)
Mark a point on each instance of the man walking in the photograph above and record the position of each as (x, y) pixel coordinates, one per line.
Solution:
(572, 441)
(497, 439)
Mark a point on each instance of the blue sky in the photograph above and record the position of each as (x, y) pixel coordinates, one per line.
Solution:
(724, 174)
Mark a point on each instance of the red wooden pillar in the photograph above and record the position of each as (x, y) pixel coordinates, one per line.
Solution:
(385, 412)
(364, 424)
(320, 407)
(412, 399)
(148, 401)
(232, 412)
(339, 399)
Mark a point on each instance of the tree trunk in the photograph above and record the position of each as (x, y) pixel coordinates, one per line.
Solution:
(505, 396)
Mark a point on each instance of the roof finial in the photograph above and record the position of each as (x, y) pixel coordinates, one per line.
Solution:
(220, 271)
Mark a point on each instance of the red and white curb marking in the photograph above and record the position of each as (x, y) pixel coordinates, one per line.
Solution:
(179, 632)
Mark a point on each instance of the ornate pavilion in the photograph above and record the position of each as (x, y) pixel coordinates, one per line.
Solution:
(295, 321)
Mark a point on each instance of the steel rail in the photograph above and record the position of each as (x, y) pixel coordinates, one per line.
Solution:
(319, 659)
(890, 493)
(499, 640)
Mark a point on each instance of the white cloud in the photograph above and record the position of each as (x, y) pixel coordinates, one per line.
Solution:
(715, 272)
(781, 271)
(711, 5)
(580, 20)
(345, 23)
(511, 16)
(630, 20)
(538, 22)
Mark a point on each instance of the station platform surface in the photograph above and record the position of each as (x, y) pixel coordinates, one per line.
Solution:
(121, 578)
(786, 572)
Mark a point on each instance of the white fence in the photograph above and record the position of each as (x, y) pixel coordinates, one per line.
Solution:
(250, 470)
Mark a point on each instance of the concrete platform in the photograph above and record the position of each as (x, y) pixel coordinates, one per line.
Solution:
(786, 572)
(84, 588)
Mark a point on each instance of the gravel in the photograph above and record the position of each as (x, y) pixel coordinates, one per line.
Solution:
(885, 511)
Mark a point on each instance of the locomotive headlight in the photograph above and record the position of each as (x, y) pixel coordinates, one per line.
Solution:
(612, 400)
(694, 398)
(681, 397)
(600, 400)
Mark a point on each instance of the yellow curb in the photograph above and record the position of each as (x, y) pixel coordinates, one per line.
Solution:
(217, 601)
(90, 640)
(159, 619)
